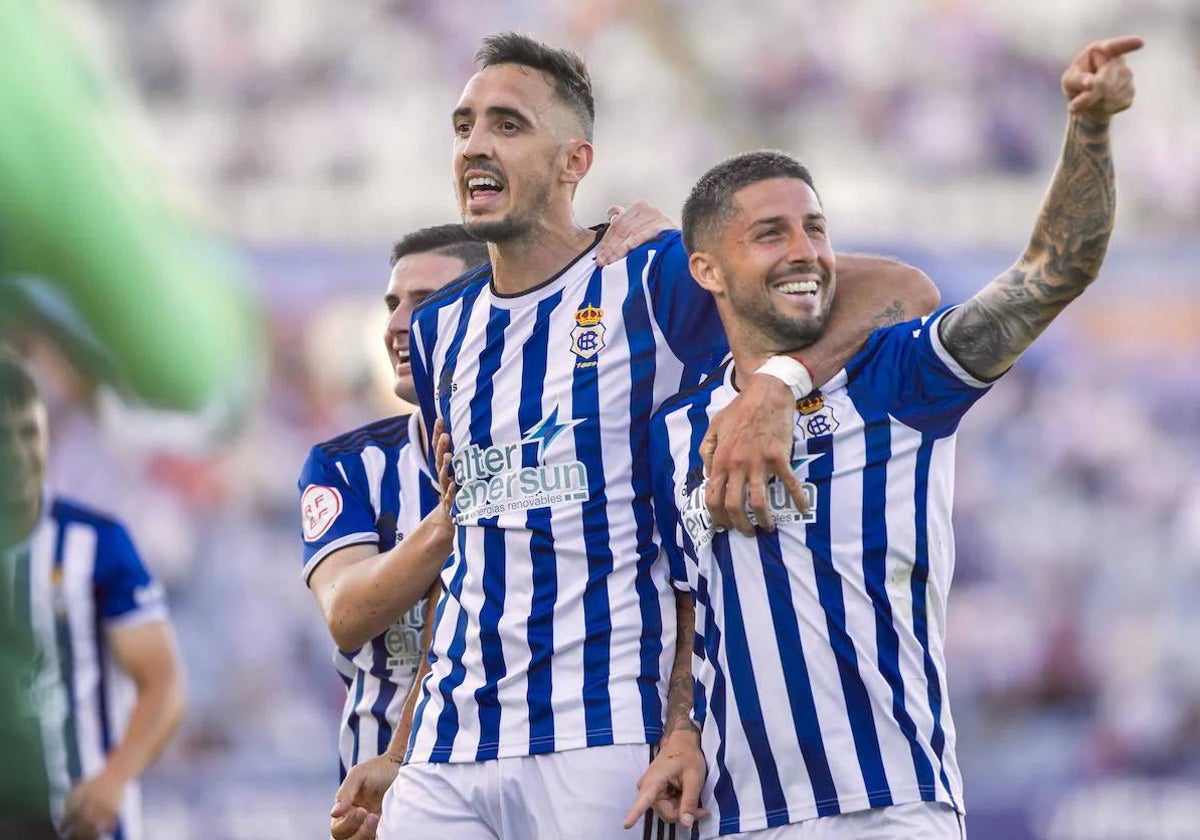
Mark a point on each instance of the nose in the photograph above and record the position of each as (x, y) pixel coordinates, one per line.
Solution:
(801, 250)
(398, 321)
(477, 144)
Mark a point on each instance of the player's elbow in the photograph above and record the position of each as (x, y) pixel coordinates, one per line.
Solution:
(176, 706)
(346, 633)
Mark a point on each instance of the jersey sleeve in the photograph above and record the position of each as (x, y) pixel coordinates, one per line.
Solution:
(910, 370)
(686, 313)
(666, 511)
(126, 593)
(333, 513)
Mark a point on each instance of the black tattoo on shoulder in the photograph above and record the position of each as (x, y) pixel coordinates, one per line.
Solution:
(894, 313)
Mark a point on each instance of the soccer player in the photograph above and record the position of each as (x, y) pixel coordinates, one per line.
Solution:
(821, 677)
(363, 491)
(557, 626)
(374, 537)
(105, 679)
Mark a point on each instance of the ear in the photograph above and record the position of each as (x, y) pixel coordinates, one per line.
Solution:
(579, 155)
(707, 273)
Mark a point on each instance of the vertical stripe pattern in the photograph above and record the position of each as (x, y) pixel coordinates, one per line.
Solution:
(820, 664)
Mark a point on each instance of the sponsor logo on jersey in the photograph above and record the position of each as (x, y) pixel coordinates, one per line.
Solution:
(587, 336)
(403, 639)
(320, 507)
(494, 480)
(698, 523)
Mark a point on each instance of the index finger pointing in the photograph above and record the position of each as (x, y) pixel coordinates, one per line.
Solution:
(641, 805)
(1114, 47)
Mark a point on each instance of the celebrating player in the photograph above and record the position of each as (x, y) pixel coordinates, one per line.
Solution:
(557, 626)
(821, 678)
(361, 493)
(371, 548)
(73, 584)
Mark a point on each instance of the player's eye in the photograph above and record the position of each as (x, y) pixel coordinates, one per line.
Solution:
(462, 129)
(509, 127)
(767, 234)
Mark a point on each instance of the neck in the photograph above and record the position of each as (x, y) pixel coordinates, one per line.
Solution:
(750, 350)
(520, 264)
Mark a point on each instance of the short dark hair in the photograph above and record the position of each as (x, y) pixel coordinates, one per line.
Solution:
(17, 385)
(711, 200)
(448, 240)
(572, 82)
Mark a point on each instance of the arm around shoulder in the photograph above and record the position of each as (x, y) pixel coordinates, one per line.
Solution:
(872, 292)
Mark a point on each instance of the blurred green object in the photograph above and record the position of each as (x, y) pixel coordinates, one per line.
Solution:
(163, 300)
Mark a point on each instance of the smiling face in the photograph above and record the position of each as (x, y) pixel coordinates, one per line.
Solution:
(516, 145)
(771, 267)
(24, 452)
(414, 277)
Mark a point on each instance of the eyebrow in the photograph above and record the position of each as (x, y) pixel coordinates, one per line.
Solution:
(778, 220)
(494, 112)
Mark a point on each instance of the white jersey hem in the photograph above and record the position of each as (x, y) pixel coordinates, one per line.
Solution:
(710, 829)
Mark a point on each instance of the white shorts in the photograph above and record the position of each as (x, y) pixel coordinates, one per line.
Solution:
(579, 794)
(913, 821)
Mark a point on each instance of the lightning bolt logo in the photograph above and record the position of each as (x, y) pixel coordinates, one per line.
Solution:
(546, 430)
(799, 460)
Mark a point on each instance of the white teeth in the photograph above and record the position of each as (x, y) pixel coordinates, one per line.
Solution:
(477, 183)
(798, 287)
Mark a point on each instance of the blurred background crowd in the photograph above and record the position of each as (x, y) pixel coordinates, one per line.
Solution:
(311, 134)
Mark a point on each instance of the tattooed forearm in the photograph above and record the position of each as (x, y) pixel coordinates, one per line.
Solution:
(679, 705)
(989, 332)
(681, 687)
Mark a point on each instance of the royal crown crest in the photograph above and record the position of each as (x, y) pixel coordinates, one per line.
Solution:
(810, 404)
(589, 316)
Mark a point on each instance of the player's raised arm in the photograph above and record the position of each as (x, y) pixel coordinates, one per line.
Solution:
(987, 333)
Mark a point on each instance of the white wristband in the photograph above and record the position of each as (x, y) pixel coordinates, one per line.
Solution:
(791, 372)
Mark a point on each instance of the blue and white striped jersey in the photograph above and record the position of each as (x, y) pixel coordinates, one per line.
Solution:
(369, 486)
(820, 668)
(76, 577)
(557, 624)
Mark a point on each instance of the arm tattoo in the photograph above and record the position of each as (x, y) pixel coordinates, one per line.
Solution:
(892, 314)
(680, 691)
(679, 705)
(987, 333)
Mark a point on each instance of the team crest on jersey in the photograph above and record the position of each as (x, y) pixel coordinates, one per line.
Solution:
(587, 337)
(320, 507)
(814, 417)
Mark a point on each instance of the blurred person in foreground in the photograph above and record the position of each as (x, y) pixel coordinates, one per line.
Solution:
(821, 692)
(104, 678)
(79, 211)
(557, 627)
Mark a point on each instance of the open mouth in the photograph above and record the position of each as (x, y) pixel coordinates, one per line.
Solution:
(482, 190)
(797, 287)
